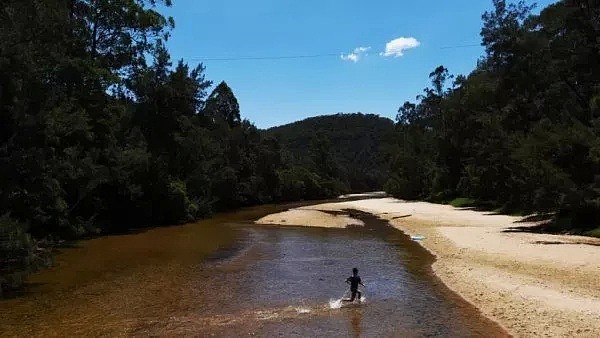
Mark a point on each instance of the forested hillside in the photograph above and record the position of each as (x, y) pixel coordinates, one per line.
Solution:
(351, 147)
(522, 131)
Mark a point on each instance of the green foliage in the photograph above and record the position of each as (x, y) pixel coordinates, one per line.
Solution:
(462, 202)
(178, 204)
(100, 132)
(521, 131)
(16, 253)
(299, 183)
(343, 148)
(222, 104)
(594, 233)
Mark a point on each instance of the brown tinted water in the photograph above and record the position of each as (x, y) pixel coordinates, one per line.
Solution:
(226, 277)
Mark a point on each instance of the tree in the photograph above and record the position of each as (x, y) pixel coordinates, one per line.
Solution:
(222, 104)
(519, 132)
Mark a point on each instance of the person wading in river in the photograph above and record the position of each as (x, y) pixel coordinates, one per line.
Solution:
(354, 280)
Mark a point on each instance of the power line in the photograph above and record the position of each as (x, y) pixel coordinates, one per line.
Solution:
(277, 57)
(290, 57)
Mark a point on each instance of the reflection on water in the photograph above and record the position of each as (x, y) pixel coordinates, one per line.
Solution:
(215, 279)
(355, 320)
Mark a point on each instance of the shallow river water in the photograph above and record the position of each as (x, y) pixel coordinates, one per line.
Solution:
(226, 277)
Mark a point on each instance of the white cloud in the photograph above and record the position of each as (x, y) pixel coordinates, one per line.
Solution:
(350, 57)
(397, 46)
(356, 55)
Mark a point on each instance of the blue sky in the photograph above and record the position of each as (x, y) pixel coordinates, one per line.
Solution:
(274, 92)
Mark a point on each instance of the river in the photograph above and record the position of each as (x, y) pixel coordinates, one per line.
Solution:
(227, 277)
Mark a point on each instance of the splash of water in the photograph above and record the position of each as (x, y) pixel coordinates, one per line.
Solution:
(338, 303)
(335, 303)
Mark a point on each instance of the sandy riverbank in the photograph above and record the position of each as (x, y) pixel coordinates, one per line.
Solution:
(310, 217)
(532, 284)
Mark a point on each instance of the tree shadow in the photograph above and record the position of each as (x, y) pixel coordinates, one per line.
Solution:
(543, 228)
(535, 218)
(562, 243)
(403, 216)
(548, 227)
(486, 210)
(545, 225)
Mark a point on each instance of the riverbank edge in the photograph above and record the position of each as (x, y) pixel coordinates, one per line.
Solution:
(336, 217)
(437, 269)
(465, 271)
(41, 253)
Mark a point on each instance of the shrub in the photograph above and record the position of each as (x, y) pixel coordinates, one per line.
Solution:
(16, 253)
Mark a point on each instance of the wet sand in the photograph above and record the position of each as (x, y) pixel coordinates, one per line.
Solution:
(532, 284)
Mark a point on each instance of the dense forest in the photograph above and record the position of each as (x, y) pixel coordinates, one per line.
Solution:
(351, 147)
(101, 132)
(521, 133)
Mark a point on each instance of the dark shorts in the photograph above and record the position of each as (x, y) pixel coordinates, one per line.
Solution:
(354, 292)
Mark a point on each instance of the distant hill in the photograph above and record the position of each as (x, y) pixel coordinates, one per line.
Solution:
(353, 142)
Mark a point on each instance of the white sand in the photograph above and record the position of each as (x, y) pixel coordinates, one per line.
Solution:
(531, 288)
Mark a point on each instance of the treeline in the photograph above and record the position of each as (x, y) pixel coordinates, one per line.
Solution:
(100, 132)
(522, 131)
(344, 149)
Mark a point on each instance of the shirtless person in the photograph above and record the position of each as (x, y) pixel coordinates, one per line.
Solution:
(354, 280)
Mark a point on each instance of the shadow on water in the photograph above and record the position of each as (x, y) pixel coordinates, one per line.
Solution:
(22, 292)
(224, 253)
